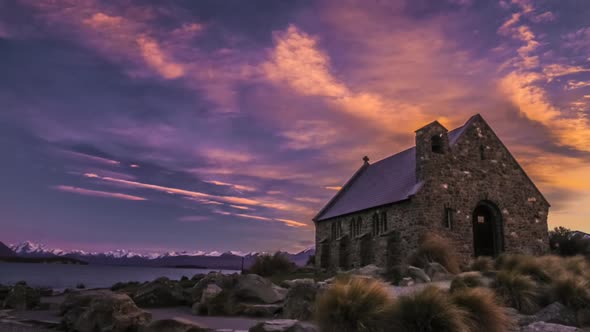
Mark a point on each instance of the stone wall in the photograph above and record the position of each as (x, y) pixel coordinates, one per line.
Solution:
(476, 168)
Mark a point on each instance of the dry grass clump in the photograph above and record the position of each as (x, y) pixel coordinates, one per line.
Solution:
(572, 291)
(429, 310)
(269, 265)
(484, 313)
(467, 280)
(353, 304)
(434, 248)
(518, 291)
(482, 263)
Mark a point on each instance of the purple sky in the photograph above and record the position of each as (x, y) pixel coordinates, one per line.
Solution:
(216, 125)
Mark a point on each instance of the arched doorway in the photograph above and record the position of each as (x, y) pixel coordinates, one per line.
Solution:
(488, 230)
(325, 255)
(366, 248)
(343, 253)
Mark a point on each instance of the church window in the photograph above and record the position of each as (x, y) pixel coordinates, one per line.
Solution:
(437, 144)
(375, 224)
(482, 152)
(449, 216)
(384, 221)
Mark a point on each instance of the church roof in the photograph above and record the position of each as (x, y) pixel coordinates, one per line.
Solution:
(389, 180)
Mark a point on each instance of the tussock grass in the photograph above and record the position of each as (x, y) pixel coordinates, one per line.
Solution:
(269, 265)
(572, 291)
(434, 248)
(518, 291)
(484, 313)
(353, 304)
(482, 263)
(466, 280)
(429, 310)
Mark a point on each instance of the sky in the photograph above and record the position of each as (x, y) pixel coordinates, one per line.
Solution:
(226, 125)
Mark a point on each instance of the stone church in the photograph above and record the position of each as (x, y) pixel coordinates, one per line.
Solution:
(463, 185)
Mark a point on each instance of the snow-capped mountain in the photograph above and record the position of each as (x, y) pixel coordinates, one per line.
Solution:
(213, 259)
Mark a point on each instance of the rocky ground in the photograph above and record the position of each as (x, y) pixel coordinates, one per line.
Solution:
(213, 302)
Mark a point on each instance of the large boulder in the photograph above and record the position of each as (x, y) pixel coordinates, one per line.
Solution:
(161, 292)
(548, 327)
(224, 281)
(437, 272)
(256, 289)
(300, 300)
(22, 297)
(210, 292)
(102, 311)
(370, 270)
(555, 313)
(259, 310)
(283, 325)
(418, 274)
(173, 325)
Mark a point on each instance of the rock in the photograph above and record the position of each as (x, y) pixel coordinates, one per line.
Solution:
(210, 292)
(254, 288)
(548, 327)
(406, 282)
(22, 297)
(291, 283)
(437, 272)
(102, 311)
(224, 281)
(159, 293)
(300, 301)
(555, 313)
(259, 310)
(370, 270)
(173, 325)
(517, 318)
(283, 325)
(418, 274)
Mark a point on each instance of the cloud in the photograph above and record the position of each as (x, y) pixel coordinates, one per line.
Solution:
(155, 58)
(97, 193)
(194, 218)
(238, 187)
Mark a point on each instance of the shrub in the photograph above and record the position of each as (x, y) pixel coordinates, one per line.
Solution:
(482, 263)
(434, 248)
(269, 265)
(484, 314)
(518, 291)
(353, 304)
(566, 242)
(572, 291)
(428, 310)
(467, 280)
(577, 265)
(510, 261)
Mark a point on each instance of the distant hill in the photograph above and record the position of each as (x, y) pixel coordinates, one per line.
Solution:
(5, 251)
(230, 260)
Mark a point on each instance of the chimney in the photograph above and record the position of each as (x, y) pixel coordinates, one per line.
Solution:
(432, 143)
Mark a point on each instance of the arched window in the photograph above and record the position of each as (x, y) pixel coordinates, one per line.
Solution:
(383, 222)
(375, 228)
(482, 152)
(437, 144)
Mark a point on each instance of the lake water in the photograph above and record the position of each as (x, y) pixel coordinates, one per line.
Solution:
(61, 276)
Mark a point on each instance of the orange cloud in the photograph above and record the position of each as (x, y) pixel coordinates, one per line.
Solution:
(98, 193)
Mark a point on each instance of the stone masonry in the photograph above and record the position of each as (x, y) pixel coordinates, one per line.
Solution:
(472, 192)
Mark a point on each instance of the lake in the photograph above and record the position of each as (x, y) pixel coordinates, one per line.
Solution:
(61, 276)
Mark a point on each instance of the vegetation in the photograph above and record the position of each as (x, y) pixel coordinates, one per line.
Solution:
(429, 310)
(467, 280)
(434, 248)
(269, 265)
(484, 313)
(518, 291)
(353, 304)
(572, 291)
(482, 264)
(565, 242)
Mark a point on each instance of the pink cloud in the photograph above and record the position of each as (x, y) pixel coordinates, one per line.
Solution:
(98, 193)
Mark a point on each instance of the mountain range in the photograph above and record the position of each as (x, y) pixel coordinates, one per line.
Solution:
(230, 260)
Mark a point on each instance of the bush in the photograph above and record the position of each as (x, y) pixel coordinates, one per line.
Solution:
(484, 314)
(269, 265)
(518, 291)
(467, 280)
(428, 310)
(572, 291)
(482, 263)
(566, 242)
(353, 304)
(434, 248)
